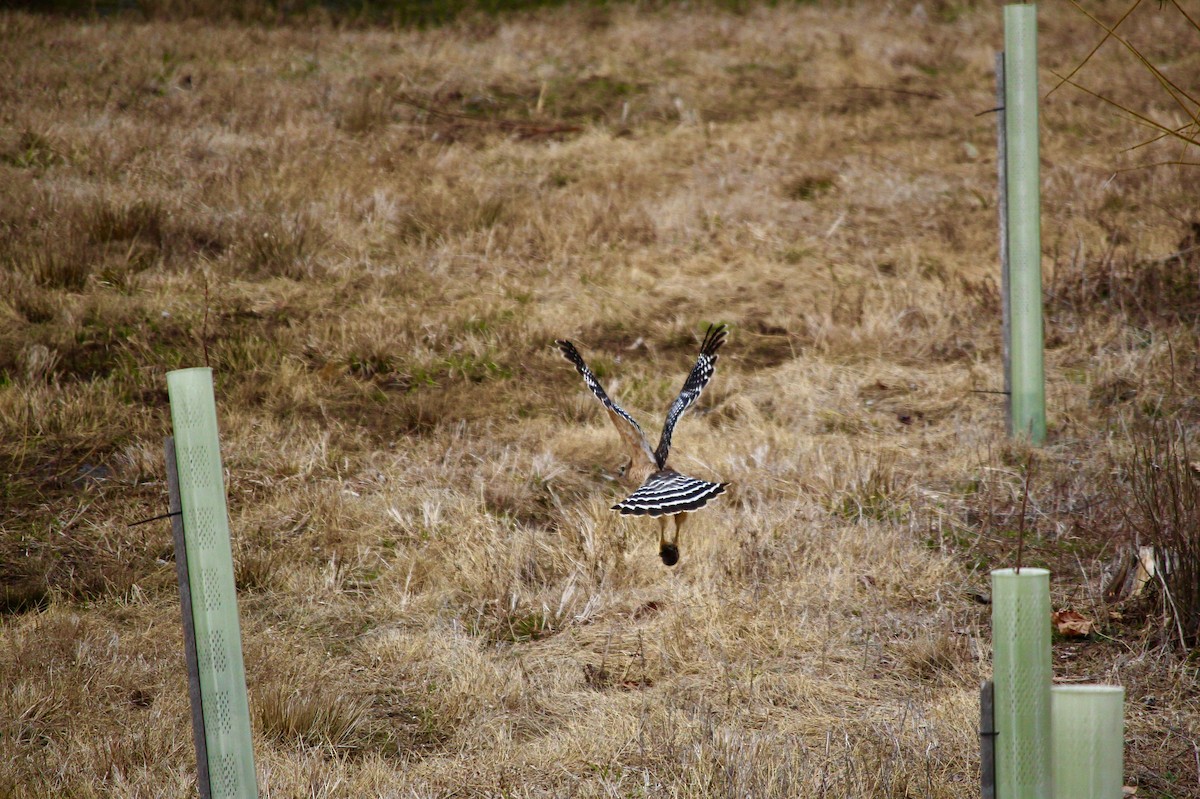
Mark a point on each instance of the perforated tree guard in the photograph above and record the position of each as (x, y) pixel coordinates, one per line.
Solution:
(1027, 398)
(218, 639)
(1021, 665)
(1088, 748)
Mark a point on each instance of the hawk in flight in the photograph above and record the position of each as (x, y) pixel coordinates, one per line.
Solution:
(662, 491)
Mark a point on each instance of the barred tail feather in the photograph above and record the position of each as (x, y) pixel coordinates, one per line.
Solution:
(668, 492)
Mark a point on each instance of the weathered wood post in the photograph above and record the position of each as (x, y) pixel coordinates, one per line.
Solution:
(1002, 212)
(987, 741)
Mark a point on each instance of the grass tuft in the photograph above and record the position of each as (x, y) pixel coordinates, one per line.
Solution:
(875, 494)
(314, 717)
(281, 245)
(32, 150)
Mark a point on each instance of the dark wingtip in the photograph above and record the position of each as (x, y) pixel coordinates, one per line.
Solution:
(714, 338)
(669, 554)
(569, 352)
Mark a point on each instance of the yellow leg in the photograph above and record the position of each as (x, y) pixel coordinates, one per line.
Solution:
(680, 518)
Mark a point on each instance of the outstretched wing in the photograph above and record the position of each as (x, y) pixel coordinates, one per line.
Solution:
(631, 433)
(666, 492)
(701, 373)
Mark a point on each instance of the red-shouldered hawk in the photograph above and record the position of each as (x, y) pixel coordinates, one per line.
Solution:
(662, 491)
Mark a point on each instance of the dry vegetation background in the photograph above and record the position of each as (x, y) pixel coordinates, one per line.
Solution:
(373, 234)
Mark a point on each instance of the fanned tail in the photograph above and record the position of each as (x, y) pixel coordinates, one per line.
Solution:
(668, 492)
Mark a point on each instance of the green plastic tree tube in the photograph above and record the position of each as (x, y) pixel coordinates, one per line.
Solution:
(1088, 746)
(210, 576)
(1024, 239)
(1021, 666)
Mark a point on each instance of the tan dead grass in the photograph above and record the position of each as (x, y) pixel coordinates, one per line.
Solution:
(374, 235)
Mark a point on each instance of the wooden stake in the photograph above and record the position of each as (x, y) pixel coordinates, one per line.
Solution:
(987, 740)
(189, 625)
(1002, 207)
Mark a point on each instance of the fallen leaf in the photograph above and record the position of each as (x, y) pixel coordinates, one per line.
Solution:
(1128, 790)
(1071, 624)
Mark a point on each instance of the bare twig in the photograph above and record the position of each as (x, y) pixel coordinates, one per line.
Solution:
(1179, 8)
(1169, 85)
(860, 88)
(1024, 504)
(1179, 130)
(1158, 163)
(154, 518)
(1158, 572)
(1186, 134)
(204, 327)
(1145, 120)
(1095, 49)
(1172, 256)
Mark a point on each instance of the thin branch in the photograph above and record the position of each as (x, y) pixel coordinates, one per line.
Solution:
(1171, 257)
(1167, 84)
(1179, 131)
(1158, 163)
(156, 518)
(1140, 117)
(204, 328)
(1174, 610)
(1179, 8)
(1024, 504)
(1088, 57)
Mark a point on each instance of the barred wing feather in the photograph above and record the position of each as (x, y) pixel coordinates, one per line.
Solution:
(631, 433)
(697, 379)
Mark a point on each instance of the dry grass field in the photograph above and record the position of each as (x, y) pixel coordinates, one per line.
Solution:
(373, 234)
